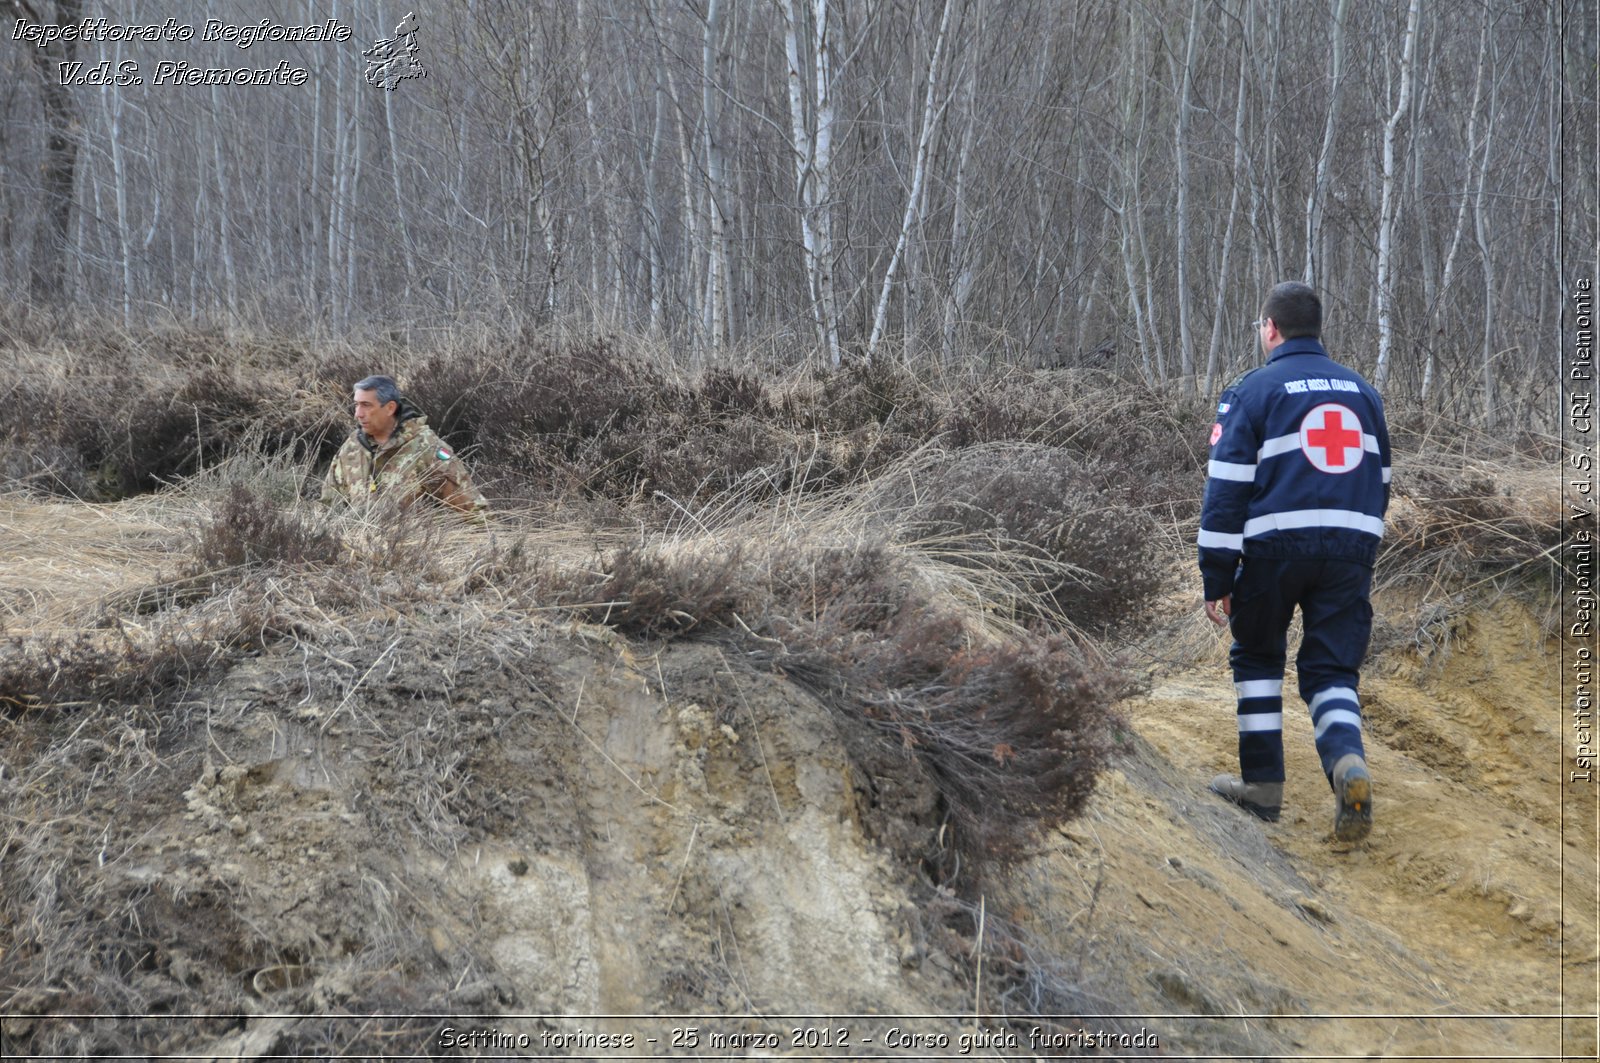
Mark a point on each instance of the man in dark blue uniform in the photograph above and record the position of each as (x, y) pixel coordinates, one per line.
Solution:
(1296, 491)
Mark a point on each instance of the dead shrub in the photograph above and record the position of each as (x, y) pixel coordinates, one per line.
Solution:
(1144, 447)
(109, 430)
(585, 418)
(1052, 501)
(647, 592)
(248, 529)
(41, 443)
(542, 419)
(880, 411)
(884, 392)
(168, 437)
(1011, 734)
(85, 671)
(569, 394)
(1465, 523)
(1019, 405)
(699, 463)
(732, 393)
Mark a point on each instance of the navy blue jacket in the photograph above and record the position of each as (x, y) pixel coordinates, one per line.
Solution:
(1299, 466)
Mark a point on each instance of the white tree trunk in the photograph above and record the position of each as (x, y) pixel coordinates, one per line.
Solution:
(406, 252)
(931, 113)
(225, 221)
(309, 268)
(962, 255)
(716, 293)
(1217, 316)
(1127, 211)
(341, 170)
(1448, 276)
(1319, 187)
(111, 96)
(652, 201)
(691, 278)
(1480, 227)
(352, 252)
(1387, 208)
(1181, 152)
(811, 118)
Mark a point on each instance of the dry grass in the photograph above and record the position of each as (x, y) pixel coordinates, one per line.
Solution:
(931, 651)
(63, 557)
(787, 520)
(1457, 523)
(104, 706)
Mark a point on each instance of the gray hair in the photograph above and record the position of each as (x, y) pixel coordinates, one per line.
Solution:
(384, 387)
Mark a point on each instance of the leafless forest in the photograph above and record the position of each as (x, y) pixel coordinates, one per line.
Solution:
(1043, 182)
(839, 373)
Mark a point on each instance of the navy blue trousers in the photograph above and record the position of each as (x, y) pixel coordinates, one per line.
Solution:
(1337, 617)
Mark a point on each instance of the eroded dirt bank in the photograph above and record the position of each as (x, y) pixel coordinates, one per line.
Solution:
(481, 812)
(1449, 932)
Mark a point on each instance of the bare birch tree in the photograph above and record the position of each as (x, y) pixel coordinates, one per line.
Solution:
(1315, 202)
(932, 110)
(811, 115)
(47, 274)
(1386, 212)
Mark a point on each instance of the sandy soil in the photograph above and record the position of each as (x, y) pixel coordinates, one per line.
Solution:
(1450, 932)
(484, 813)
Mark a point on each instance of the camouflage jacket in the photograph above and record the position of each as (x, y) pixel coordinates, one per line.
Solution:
(413, 461)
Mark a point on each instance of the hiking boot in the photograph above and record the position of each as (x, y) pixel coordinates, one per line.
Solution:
(1260, 799)
(1352, 819)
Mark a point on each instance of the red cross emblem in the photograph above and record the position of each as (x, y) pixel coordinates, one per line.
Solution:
(1330, 437)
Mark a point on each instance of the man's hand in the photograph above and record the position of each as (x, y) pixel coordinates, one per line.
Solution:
(1221, 610)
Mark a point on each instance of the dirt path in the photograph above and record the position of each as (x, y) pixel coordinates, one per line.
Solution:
(1448, 933)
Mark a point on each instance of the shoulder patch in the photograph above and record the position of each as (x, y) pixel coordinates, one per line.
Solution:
(443, 453)
(1236, 381)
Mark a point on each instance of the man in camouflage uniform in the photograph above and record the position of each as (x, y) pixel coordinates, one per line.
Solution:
(394, 457)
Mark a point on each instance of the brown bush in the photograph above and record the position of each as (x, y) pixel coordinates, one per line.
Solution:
(1051, 501)
(108, 430)
(250, 529)
(1010, 734)
(1468, 522)
(732, 394)
(85, 671)
(584, 418)
(649, 593)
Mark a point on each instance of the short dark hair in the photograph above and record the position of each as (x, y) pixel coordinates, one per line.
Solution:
(384, 387)
(1295, 309)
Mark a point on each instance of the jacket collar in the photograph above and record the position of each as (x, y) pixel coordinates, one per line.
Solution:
(1299, 345)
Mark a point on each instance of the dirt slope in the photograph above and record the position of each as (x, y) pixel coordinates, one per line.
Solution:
(1464, 911)
(407, 804)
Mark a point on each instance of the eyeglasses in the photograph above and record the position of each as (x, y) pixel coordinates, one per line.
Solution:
(1258, 322)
